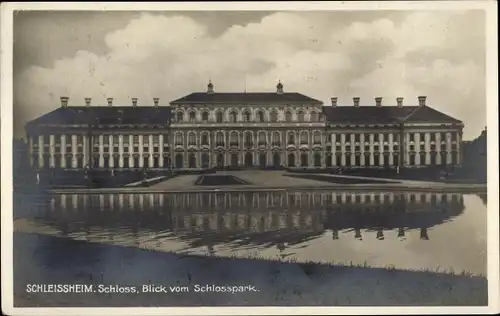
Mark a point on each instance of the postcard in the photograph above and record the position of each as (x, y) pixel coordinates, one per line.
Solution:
(227, 158)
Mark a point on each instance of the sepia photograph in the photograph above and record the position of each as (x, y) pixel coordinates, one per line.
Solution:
(241, 155)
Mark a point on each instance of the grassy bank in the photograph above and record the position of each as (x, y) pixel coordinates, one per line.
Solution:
(53, 260)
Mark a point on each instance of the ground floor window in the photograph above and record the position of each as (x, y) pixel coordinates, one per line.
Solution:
(433, 158)
(262, 160)
(328, 161)
(79, 162)
(276, 160)
(205, 160)
(422, 159)
(454, 158)
(126, 162)
(348, 161)
(234, 160)
(136, 162)
(179, 161)
(166, 162)
(357, 161)
(116, 162)
(443, 158)
(376, 160)
(57, 161)
(304, 157)
(317, 159)
(248, 159)
(156, 162)
(291, 160)
(395, 160)
(192, 161)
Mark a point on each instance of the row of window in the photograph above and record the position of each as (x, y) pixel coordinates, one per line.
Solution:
(246, 117)
(330, 160)
(433, 136)
(107, 139)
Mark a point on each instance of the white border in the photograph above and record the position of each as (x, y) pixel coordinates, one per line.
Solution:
(6, 20)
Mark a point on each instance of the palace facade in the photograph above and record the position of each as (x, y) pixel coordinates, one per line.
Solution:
(209, 129)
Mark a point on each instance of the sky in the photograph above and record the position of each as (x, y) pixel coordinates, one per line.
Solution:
(439, 54)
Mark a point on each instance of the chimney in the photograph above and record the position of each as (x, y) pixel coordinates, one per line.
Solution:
(378, 101)
(279, 88)
(334, 101)
(64, 102)
(156, 101)
(110, 101)
(134, 102)
(355, 100)
(421, 100)
(87, 101)
(399, 102)
(210, 87)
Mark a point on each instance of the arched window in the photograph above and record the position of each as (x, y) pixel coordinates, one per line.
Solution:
(291, 138)
(233, 138)
(180, 116)
(262, 138)
(178, 139)
(274, 116)
(276, 138)
(192, 116)
(219, 137)
(260, 116)
(246, 116)
(248, 138)
(288, 116)
(204, 139)
(300, 116)
(204, 116)
(219, 117)
(192, 139)
(233, 117)
(303, 138)
(313, 117)
(317, 137)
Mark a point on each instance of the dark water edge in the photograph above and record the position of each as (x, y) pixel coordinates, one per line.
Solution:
(42, 259)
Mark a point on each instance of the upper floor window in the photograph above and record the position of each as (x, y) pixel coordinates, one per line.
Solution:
(192, 139)
(288, 116)
(232, 116)
(357, 137)
(248, 137)
(314, 117)
(180, 116)
(260, 116)
(192, 116)
(219, 117)
(156, 139)
(204, 139)
(204, 116)
(300, 116)
(274, 116)
(126, 139)
(454, 137)
(105, 139)
(246, 116)
(411, 137)
(136, 138)
(317, 137)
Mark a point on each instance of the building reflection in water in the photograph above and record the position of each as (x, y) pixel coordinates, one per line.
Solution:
(280, 218)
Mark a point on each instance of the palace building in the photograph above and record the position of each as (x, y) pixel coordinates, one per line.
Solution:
(210, 129)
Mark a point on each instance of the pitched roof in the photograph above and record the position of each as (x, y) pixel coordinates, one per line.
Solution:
(245, 98)
(426, 114)
(105, 114)
(385, 115)
(367, 114)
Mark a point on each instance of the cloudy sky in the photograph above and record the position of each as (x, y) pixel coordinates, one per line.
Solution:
(320, 54)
